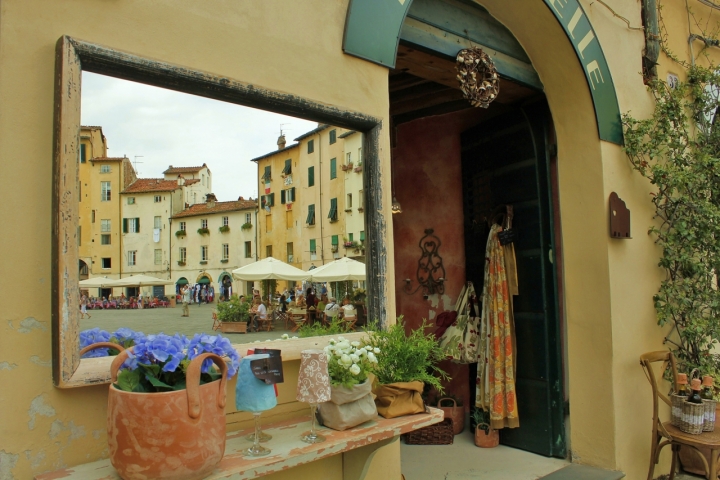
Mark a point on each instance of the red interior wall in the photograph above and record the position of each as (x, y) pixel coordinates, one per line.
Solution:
(427, 177)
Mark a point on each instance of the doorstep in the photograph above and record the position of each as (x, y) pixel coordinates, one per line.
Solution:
(583, 472)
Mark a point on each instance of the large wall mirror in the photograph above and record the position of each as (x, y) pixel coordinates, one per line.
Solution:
(125, 212)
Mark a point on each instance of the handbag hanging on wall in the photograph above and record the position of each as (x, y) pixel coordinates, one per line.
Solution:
(460, 340)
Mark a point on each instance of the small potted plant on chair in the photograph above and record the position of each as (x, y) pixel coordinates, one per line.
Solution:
(485, 435)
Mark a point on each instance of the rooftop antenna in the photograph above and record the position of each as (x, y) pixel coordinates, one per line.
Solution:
(281, 128)
(135, 162)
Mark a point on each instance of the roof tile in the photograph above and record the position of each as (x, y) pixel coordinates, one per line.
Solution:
(184, 169)
(220, 207)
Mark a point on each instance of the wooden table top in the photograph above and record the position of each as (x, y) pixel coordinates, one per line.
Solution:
(705, 439)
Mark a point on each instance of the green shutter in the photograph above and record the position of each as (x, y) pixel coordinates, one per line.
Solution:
(335, 240)
(350, 237)
(311, 146)
(311, 176)
(282, 197)
(362, 236)
(266, 175)
(333, 209)
(311, 215)
(125, 226)
(271, 197)
(83, 157)
(333, 168)
(292, 194)
(137, 225)
(288, 167)
(312, 245)
(333, 136)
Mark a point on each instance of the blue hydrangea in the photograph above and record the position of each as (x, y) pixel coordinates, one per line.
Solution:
(216, 344)
(94, 335)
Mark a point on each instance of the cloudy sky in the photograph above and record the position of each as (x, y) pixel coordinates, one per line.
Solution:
(162, 127)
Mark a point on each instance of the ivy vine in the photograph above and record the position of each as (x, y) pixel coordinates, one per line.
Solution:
(678, 151)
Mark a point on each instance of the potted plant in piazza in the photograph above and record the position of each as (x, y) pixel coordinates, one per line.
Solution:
(167, 401)
(407, 363)
(349, 366)
(233, 315)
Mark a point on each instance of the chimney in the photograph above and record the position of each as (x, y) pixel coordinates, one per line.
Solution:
(210, 200)
(180, 180)
(281, 142)
(240, 198)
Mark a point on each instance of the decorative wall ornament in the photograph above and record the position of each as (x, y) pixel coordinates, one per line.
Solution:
(478, 77)
(619, 218)
(430, 272)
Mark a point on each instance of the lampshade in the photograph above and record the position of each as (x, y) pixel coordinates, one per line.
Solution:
(314, 379)
(252, 394)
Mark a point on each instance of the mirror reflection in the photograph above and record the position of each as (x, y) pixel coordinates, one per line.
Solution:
(198, 216)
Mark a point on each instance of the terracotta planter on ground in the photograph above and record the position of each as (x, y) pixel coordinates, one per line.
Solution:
(455, 413)
(177, 435)
(487, 439)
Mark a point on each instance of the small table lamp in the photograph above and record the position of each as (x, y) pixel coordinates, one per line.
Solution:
(313, 387)
(253, 395)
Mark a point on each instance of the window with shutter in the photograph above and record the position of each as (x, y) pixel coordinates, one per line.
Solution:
(311, 176)
(335, 241)
(311, 215)
(282, 197)
(312, 246)
(288, 167)
(83, 157)
(311, 146)
(272, 199)
(266, 175)
(333, 136)
(333, 168)
(333, 210)
(362, 236)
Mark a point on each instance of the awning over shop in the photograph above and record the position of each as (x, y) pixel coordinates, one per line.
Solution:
(204, 281)
(182, 281)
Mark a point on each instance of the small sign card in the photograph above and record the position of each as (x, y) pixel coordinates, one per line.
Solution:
(269, 370)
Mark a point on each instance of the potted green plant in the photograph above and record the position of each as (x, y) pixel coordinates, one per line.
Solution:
(233, 315)
(351, 402)
(224, 229)
(408, 362)
(246, 226)
(168, 387)
(180, 233)
(485, 435)
(203, 231)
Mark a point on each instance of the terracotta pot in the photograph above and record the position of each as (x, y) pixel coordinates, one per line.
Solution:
(455, 413)
(233, 327)
(177, 435)
(487, 440)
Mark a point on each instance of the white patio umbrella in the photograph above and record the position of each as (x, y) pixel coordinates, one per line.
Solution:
(98, 282)
(269, 269)
(341, 270)
(141, 281)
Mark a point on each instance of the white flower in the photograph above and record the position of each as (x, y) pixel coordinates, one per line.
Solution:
(332, 341)
(376, 351)
(372, 358)
(354, 369)
(361, 352)
(355, 344)
(295, 338)
(342, 339)
(346, 360)
(354, 358)
(285, 336)
(344, 345)
(268, 340)
(256, 341)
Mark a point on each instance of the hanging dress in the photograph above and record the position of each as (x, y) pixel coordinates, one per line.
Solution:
(495, 383)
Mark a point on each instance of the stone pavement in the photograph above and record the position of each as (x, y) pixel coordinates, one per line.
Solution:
(169, 321)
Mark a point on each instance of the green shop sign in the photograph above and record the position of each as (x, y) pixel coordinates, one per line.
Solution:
(372, 32)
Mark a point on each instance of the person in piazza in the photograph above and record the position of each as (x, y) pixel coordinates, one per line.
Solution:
(83, 307)
(186, 301)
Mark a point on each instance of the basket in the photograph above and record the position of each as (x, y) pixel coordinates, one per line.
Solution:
(676, 409)
(693, 418)
(438, 434)
(709, 418)
(457, 414)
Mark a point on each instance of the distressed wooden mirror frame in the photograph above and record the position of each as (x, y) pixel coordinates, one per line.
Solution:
(72, 57)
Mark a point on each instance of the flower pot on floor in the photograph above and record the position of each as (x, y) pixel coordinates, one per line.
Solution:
(348, 407)
(233, 327)
(488, 439)
(454, 412)
(177, 435)
(398, 399)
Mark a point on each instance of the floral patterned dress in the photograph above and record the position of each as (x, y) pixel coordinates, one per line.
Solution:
(495, 383)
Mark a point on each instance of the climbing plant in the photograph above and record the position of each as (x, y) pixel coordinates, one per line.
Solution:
(678, 150)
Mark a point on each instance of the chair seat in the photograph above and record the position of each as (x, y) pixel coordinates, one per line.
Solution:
(706, 439)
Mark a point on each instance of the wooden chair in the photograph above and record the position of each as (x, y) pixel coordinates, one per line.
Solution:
(298, 321)
(350, 322)
(665, 433)
(216, 321)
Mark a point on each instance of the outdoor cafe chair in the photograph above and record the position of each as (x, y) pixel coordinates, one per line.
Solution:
(216, 321)
(665, 433)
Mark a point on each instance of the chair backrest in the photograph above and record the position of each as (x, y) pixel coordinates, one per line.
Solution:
(668, 360)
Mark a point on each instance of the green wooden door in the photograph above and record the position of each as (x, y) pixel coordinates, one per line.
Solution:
(506, 161)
